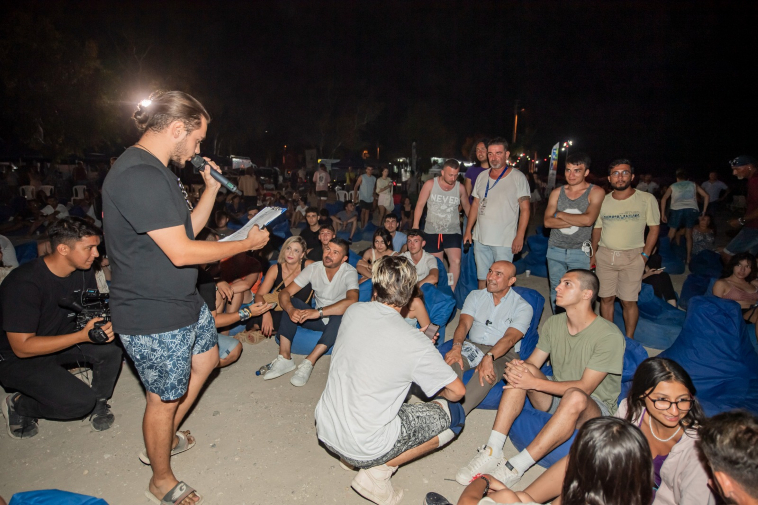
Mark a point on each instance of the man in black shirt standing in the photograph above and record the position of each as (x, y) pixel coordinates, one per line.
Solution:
(38, 337)
(165, 326)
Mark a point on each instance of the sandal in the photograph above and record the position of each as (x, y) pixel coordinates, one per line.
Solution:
(183, 445)
(176, 495)
(250, 337)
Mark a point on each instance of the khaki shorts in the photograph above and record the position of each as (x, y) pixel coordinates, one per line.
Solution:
(619, 273)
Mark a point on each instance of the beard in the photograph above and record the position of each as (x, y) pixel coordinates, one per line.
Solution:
(180, 153)
(622, 187)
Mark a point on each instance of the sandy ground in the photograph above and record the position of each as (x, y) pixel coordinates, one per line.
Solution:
(256, 443)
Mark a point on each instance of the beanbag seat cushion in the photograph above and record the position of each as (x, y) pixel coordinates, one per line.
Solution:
(671, 257)
(714, 347)
(368, 232)
(442, 284)
(694, 285)
(659, 324)
(706, 263)
(353, 258)
(536, 259)
(439, 305)
(54, 497)
(528, 343)
(467, 281)
(334, 208)
(344, 234)
(26, 252)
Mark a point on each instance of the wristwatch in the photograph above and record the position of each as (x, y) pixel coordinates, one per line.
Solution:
(320, 312)
(491, 356)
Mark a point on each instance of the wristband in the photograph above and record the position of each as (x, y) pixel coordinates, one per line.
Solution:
(645, 255)
(486, 487)
(245, 314)
(555, 215)
(460, 344)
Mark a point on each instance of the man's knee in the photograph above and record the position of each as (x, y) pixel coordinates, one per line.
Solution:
(75, 407)
(628, 304)
(607, 300)
(574, 402)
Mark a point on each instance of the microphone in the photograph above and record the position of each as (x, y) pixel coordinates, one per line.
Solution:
(199, 164)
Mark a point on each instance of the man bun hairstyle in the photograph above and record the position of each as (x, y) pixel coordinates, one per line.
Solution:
(165, 107)
(394, 279)
(70, 230)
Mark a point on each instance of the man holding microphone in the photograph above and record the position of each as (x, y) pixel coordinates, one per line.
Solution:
(162, 321)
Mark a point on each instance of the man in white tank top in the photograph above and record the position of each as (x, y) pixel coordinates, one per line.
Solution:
(443, 196)
(684, 210)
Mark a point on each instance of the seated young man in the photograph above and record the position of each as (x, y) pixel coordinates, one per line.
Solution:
(335, 288)
(361, 415)
(310, 232)
(587, 355)
(425, 263)
(346, 217)
(325, 235)
(495, 319)
(399, 238)
(38, 337)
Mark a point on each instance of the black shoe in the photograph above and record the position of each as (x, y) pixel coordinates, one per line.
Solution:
(350, 241)
(102, 418)
(435, 499)
(18, 426)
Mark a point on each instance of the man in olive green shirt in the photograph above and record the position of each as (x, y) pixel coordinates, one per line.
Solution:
(587, 356)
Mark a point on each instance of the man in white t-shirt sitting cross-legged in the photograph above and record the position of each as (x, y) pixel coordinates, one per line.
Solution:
(335, 288)
(361, 415)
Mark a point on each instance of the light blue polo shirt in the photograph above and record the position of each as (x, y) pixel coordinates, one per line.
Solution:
(491, 322)
(399, 240)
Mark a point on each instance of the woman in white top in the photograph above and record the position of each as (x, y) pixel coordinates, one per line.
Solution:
(382, 247)
(384, 187)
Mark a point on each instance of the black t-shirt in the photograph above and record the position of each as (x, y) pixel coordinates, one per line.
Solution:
(317, 253)
(29, 300)
(206, 286)
(310, 237)
(148, 293)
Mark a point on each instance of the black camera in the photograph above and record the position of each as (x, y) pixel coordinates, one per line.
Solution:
(89, 304)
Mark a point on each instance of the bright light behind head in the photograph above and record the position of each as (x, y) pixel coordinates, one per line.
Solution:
(146, 102)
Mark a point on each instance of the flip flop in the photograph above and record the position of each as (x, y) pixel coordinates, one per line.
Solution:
(176, 495)
(183, 445)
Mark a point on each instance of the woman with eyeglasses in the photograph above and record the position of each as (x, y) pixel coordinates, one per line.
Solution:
(662, 404)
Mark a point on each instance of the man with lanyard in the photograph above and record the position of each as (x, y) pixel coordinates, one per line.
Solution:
(744, 167)
(496, 210)
(364, 193)
(571, 211)
(443, 196)
(163, 323)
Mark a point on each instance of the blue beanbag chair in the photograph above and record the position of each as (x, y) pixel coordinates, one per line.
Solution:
(528, 343)
(659, 323)
(54, 497)
(694, 285)
(344, 234)
(368, 232)
(529, 423)
(442, 284)
(353, 258)
(467, 281)
(536, 259)
(280, 227)
(26, 252)
(706, 263)
(670, 256)
(715, 349)
(334, 208)
(439, 305)
(365, 291)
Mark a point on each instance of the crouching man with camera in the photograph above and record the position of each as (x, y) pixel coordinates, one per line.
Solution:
(40, 303)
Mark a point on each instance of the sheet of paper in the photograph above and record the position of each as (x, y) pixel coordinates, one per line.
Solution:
(262, 219)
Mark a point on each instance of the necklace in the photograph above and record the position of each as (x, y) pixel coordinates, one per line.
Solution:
(178, 180)
(650, 423)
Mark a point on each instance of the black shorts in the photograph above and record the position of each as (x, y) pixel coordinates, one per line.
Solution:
(438, 242)
(369, 206)
(322, 194)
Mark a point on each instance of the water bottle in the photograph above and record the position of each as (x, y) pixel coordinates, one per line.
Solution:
(265, 368)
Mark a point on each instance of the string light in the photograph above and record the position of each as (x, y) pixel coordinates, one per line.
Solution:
(146, 102)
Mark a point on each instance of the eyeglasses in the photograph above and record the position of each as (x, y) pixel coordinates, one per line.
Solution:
(619, 174)
(684, 404)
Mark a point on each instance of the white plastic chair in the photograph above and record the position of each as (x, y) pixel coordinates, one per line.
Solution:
(27, 192)
(47, 189)
(341, 195)
(79, 192)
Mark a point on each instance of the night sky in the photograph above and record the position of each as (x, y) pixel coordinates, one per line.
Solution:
(667, 84)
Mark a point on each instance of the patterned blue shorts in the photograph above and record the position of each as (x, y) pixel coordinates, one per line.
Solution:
(164, 360)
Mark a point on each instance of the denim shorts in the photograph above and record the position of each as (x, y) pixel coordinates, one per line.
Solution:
(686, 218)
(486, 255)
(225, 345)
(164, 360)
(745, 240)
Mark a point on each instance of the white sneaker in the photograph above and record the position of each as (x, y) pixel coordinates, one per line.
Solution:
(302, 374)
(483, 462)
(279, 367)
(374, 484)
(507, 476)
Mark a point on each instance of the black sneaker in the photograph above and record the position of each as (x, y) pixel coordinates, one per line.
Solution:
(435, 499)
(18, 426)
(102, 418)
